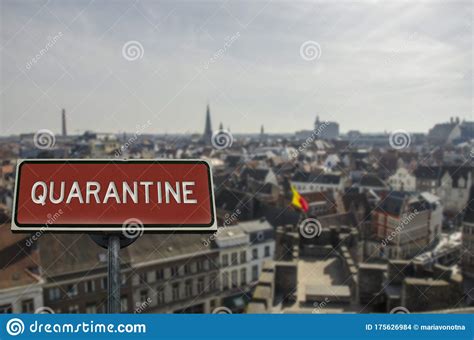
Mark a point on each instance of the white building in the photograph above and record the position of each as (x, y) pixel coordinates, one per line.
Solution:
(25, 298)
(450, 183)
(243, 248)
(454, 189)
(313, 182)
(402, 180)
(261, 247)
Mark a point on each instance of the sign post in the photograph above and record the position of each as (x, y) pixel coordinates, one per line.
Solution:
(113, 279)
(113, 243)
(114, 201)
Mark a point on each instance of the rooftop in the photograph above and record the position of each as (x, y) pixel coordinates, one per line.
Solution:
(255, 225)
(18, 261)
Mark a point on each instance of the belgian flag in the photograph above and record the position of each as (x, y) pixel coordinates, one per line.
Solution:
(298, 201)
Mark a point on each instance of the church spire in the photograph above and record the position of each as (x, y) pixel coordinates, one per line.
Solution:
(208, 128)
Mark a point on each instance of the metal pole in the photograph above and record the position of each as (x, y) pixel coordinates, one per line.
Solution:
(113, 282)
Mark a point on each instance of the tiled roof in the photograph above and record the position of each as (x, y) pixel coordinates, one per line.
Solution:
(437, 172)
(17, 259)
(370, 180)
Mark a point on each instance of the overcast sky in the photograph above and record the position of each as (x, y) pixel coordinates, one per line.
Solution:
(382, 65)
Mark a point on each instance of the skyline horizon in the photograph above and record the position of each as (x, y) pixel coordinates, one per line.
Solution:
(229, 128)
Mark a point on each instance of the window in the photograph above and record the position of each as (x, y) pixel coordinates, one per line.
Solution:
(143, 278)
(27, 306)
(175, 291)
(74, 309)
(188, 288)
(234, 279)
(123, 279)
(234, 260)
(243, 257)
(103, 283)
(225, 260)
(160, 274)
(243, 276)
(200, 266)
(91, 308)
(213, 283)
(187, 269)
(124, 304)
(143, 295)
(71, 290)
(200, 285)
(255, 273)
(225, 281)
(160, 296)
(6, 309)
(89, 286)
(54, 294)
(267, 251)
(174, 271)
(254, 253)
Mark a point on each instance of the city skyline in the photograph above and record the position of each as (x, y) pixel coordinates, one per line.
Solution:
(209, 122)
(375, 67)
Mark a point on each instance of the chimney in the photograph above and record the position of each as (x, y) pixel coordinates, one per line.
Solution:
(63, 117)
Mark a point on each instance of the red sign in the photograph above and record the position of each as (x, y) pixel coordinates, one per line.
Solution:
(110, 195)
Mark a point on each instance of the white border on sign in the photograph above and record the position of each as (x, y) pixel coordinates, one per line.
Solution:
(188, 228)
